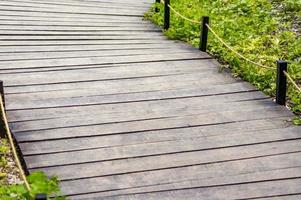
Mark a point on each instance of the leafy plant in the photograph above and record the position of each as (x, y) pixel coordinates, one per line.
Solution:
(254, 28)
(297, 121)
(39, 183)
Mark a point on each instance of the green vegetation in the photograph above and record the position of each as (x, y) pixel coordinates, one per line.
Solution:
(38, 181)
(259, 29)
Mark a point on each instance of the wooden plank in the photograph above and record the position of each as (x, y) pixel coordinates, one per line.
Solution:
(85, 43)
(7, 22)
(81, 54)
(32, 91)
(76, 29)
(76, 12)
(59, 33)
(169, 161)
(68, 7)
(146, 82)
(93, 21)
(217, 114)
(234, 172)
(142, 125)
(280, 197)
(49, 16)
(76, 144)
(34, 37)
(84, 4)
(238, 94)
(172, 176)
(206, 65)
(109, 72)
(82, 10)
(160, 148)
(98, 61)
(81, 47)
(95, 4)
(236, 191)
(154, 104)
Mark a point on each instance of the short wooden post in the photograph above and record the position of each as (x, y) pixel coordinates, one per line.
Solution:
(2, 125)
(166, 14)
(156, 8)
(204, 33)
(281, 82)
(41, 197)
(2, 92)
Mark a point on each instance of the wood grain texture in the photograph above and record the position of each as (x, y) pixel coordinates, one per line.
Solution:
(100, 98)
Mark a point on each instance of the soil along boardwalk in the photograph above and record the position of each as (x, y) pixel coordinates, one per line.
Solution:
(100, 98)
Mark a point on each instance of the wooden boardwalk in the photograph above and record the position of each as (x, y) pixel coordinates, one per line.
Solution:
(100, 98)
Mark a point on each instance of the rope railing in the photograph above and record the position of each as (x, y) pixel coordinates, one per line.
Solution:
(179, 14)
(238, 54)
(182, 16)
(219, 38)
(282, 73)
(292, 81)
(5, 132)
(12, 145)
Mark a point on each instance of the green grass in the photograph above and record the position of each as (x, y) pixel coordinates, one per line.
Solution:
(254, 28)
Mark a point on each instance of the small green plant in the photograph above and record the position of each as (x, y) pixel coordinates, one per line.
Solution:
(39, 183)
(297, 121)
(254, 28)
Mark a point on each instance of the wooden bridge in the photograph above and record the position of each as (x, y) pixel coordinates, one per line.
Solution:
(100, 98)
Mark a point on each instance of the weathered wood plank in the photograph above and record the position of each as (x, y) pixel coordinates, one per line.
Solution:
(236, 191)
(165, 96)
(82, 37)
(159, 148)
(80, 47)
(170, 161)
(67, 6)
(8, 23)
(94, 4)
(89, 54)
(78, 10)
(87, 21)
(85, 4)
(133, 127)
(177, 179)
(107, 13)
(47, 33)
(217, 114)
(189, 79)
(76, 144)
(82, 28)
(32, 64)
(154, 104)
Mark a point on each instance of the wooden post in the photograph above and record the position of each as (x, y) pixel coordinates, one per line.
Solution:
(281, 82)
(2, 91)
(204, 33)
(2, 125)
(40, 197)
(166, 14)
(156, 8)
